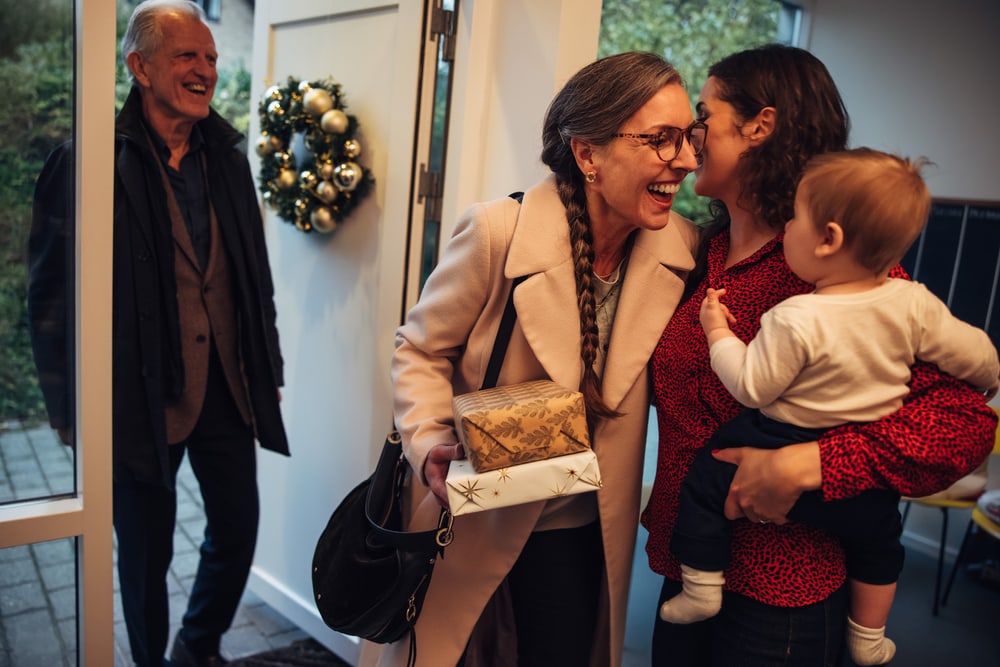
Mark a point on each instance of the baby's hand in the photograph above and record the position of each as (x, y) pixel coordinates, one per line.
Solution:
(714, 313)
(991, 391)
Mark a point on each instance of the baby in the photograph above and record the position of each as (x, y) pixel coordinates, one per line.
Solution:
(839, 354)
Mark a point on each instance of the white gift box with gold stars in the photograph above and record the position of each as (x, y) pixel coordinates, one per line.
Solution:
(469, 491)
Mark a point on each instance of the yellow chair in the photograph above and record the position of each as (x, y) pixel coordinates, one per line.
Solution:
(985, 523)
(946, 504)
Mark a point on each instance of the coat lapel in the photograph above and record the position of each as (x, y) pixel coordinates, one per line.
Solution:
(546, 300)
(137, 183)
(654, 282)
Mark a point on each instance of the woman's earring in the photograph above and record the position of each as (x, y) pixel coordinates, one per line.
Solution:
(590, 176)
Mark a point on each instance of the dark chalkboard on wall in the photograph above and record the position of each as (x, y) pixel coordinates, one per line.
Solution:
(958, 257)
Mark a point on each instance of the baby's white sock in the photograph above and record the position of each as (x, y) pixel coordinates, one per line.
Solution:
(869, 646)
(700, 598)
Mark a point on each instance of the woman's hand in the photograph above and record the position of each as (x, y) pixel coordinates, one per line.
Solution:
(769, 481)
(436, 469)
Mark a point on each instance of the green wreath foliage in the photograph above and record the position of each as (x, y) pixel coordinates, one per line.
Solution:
(309, 172)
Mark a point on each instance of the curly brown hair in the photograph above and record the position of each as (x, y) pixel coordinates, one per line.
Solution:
(811, 119)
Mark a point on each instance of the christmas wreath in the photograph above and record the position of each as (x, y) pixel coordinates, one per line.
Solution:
(308, 169)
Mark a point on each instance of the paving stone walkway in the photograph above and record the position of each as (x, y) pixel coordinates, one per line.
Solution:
(38, 581)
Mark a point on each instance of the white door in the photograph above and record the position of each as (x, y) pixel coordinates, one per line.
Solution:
(339, 296)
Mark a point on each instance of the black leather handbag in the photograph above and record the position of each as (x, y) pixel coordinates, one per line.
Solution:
(370, 577)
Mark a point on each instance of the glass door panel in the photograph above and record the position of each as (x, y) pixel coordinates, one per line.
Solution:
(38, 604)
(37, 61)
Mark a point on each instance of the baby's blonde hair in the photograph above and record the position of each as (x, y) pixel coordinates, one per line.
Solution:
(879, 200)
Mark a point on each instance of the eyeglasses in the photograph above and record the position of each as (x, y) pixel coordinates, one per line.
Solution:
(668, 142)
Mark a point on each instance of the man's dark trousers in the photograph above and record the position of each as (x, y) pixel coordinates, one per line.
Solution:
(222, 455)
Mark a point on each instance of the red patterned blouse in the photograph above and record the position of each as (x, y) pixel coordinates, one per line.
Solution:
(943, 431)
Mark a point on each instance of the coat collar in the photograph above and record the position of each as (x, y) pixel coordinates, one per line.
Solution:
(214, 129)
(135, 163)
(546, 300)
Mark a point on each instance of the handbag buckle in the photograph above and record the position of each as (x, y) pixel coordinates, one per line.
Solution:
(444, 534)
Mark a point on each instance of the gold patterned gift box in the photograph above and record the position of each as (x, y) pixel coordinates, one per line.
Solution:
(469, 491)
(520, 423)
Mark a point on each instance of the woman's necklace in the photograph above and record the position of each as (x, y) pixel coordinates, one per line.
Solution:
(612, 277)
(611, 287)
(606, 297)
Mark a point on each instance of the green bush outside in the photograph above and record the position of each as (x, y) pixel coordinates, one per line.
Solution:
(35, 47)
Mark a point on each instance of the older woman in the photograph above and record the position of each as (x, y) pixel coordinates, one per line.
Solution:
(603, 262)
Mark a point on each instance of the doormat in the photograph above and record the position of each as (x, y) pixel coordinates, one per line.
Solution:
(303, 653)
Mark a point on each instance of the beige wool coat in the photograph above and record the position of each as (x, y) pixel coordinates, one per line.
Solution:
(443, 349)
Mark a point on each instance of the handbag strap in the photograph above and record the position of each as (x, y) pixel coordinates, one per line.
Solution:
(505, 329)
(380, 505)
(503, 338)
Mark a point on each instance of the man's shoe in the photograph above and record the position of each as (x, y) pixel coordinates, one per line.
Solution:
(182, 656)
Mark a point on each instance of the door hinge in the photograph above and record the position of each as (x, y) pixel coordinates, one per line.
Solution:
(443, 26)
(431, 188)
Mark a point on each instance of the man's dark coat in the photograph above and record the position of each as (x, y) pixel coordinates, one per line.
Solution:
(147, 364)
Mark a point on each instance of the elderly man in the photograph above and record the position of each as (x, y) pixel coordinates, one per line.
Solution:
(197, 365)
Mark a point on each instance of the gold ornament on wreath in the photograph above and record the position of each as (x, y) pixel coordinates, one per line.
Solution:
(309, 172)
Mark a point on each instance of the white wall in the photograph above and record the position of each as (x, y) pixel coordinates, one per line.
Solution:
(920, 77)
(514, 55)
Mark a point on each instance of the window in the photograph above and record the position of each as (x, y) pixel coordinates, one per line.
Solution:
(789, 24)
(33, 463)
(213, 9)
